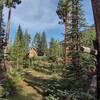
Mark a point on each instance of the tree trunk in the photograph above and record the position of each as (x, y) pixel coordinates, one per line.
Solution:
(7, 39)
(0, 31)
(66, 39)
(17, 62)
(8, 28)
(75, 38)
(74, 29)
(96, 11)
(2, 69)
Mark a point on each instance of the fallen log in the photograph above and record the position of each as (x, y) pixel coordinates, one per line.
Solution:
(89, 50)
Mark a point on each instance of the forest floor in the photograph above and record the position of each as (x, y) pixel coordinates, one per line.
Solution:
(34, 85)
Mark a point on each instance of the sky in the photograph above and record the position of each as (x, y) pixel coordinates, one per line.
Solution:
(40, 15)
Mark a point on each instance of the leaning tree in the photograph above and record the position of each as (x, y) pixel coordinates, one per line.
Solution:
(2, 43)
(10, 4)
(1, 30)
(2, 34)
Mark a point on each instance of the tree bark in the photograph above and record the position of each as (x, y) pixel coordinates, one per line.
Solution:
(74, 29)
(96, 11)
(2, 68)
(0, 31)
(66, 39)
(7, 40)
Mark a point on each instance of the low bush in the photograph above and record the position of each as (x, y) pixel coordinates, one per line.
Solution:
(10, 86)
(1, 91)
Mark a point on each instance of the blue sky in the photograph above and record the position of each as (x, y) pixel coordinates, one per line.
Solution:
(40, 15)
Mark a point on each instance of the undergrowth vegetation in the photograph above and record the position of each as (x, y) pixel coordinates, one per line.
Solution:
(10, 87)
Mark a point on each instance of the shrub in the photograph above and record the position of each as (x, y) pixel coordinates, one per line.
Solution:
(10, 85)
(1, 91)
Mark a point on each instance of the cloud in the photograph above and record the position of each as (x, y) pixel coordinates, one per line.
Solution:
(40, 15)
(35, 15)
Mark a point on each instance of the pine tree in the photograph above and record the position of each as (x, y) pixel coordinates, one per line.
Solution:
(27, 40)
(63, 13)
(10, 4)
(17, 53)
(74, 71)
(54, 49)
(37, 43)
(44, 43)
(77, 24)
(1, 31)
(2, 45)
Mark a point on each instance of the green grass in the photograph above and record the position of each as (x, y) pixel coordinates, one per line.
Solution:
(33, 86)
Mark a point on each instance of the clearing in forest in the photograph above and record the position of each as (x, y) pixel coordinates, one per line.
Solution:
(34, 85)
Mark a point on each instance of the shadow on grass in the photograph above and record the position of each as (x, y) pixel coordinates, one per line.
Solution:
(24, 97)
(39, 84)
(43, 70)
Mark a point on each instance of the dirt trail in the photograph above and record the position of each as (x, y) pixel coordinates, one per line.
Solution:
(29, 92)
(32, 88)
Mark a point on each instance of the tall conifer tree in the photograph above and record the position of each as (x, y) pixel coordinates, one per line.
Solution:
(18, 47)
(44, 43)
(27, 40)
(1, 31)
(37, 42)
(54, 49)
(63, 9)
(10, 4)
